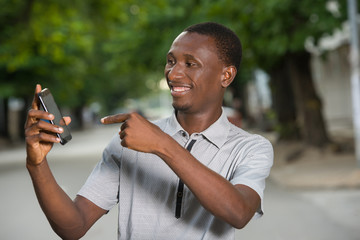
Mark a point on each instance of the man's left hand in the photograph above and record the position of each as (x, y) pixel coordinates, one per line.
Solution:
(136, 132)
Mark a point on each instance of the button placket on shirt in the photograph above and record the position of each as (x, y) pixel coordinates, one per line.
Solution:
(180, 193)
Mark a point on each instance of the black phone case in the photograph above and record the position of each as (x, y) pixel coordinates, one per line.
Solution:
(48, 103)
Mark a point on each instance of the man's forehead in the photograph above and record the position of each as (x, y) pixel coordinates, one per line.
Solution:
(193, 41)
(181, 35)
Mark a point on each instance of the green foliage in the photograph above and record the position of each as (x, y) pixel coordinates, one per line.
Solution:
(275, 28)
(107, 51)
(49, 46)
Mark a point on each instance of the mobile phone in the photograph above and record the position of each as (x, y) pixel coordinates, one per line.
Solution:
(48, 104)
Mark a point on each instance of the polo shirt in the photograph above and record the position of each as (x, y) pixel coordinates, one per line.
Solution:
(145, 188)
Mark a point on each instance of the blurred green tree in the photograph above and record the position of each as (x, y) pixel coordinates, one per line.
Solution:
(107, 51)
(273, 33)
(279, 43)
(47, 42)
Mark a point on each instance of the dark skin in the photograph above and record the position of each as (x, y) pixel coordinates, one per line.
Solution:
(69, 219)
(197, 80)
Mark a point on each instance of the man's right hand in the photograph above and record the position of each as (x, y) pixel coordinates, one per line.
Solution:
(69, 219)
(40, 135)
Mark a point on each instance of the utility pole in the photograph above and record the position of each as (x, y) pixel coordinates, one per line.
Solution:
(355, 74)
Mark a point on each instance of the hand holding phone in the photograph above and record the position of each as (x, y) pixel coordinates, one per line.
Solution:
(48, 104)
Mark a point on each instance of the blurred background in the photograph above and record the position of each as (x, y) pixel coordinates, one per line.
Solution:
(101, 57)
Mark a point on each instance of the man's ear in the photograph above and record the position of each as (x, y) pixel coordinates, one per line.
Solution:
(228, 76)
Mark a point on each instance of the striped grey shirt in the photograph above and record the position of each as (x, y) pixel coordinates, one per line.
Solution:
(145, 187)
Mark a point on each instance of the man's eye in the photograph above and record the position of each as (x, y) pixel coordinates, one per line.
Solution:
(170, 61)
(190, 64)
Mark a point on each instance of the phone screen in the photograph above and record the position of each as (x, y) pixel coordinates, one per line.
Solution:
(48, 104)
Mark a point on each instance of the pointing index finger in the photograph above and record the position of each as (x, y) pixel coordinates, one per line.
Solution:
(117, 118)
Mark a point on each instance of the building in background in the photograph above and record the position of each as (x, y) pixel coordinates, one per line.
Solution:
(331, 71)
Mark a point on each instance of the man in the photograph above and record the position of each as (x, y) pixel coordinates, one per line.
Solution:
(190, 176)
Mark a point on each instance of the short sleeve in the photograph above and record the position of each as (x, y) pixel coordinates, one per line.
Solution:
(255, 168)
(102, 185)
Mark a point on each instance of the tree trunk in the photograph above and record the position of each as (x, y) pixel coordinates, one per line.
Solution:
(308, 104)
(239, 95)
(4, 110)
(78, 115)
(23, 116)
(283, 102)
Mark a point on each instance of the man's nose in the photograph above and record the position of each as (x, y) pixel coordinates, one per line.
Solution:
(175, 72)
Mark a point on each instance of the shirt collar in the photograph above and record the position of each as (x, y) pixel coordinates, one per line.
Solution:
(174, 125)
(217, 133)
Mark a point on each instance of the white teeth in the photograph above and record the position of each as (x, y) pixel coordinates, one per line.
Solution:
(180, 89)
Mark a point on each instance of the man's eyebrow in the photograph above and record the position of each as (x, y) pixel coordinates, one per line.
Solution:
(189, 56)
(186, 55)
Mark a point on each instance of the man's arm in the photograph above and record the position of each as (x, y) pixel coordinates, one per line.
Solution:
(69, 219)
(234, 204)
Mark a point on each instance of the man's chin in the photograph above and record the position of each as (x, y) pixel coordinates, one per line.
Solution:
(180, 108)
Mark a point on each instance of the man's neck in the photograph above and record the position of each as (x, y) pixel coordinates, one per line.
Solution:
(195, 123)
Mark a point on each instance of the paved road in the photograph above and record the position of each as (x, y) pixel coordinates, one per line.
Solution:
(310, 215)
(289, 214)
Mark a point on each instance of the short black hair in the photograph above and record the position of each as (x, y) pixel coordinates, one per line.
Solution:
(227, 42)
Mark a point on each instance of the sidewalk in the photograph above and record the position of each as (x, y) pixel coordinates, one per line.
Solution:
(88, 142)
(295, 166)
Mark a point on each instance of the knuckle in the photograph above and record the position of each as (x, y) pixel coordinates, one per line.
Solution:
(44, 137)
(31, 140)
(123, 134)
(32, 112)
(27, 132)
(41, 124)
(123, 143)
(28, 139)
(37, 124)
(133, 115)
(41, 135)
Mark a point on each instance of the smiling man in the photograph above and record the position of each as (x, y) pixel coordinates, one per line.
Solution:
(193, 175)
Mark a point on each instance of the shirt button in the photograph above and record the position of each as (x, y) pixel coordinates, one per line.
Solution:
(183, 133)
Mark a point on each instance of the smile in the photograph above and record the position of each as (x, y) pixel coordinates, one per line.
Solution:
(179, 89)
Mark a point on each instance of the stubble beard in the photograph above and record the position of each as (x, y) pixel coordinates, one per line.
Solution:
(181, 107)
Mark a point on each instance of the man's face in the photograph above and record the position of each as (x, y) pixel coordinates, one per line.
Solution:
(193, 72)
